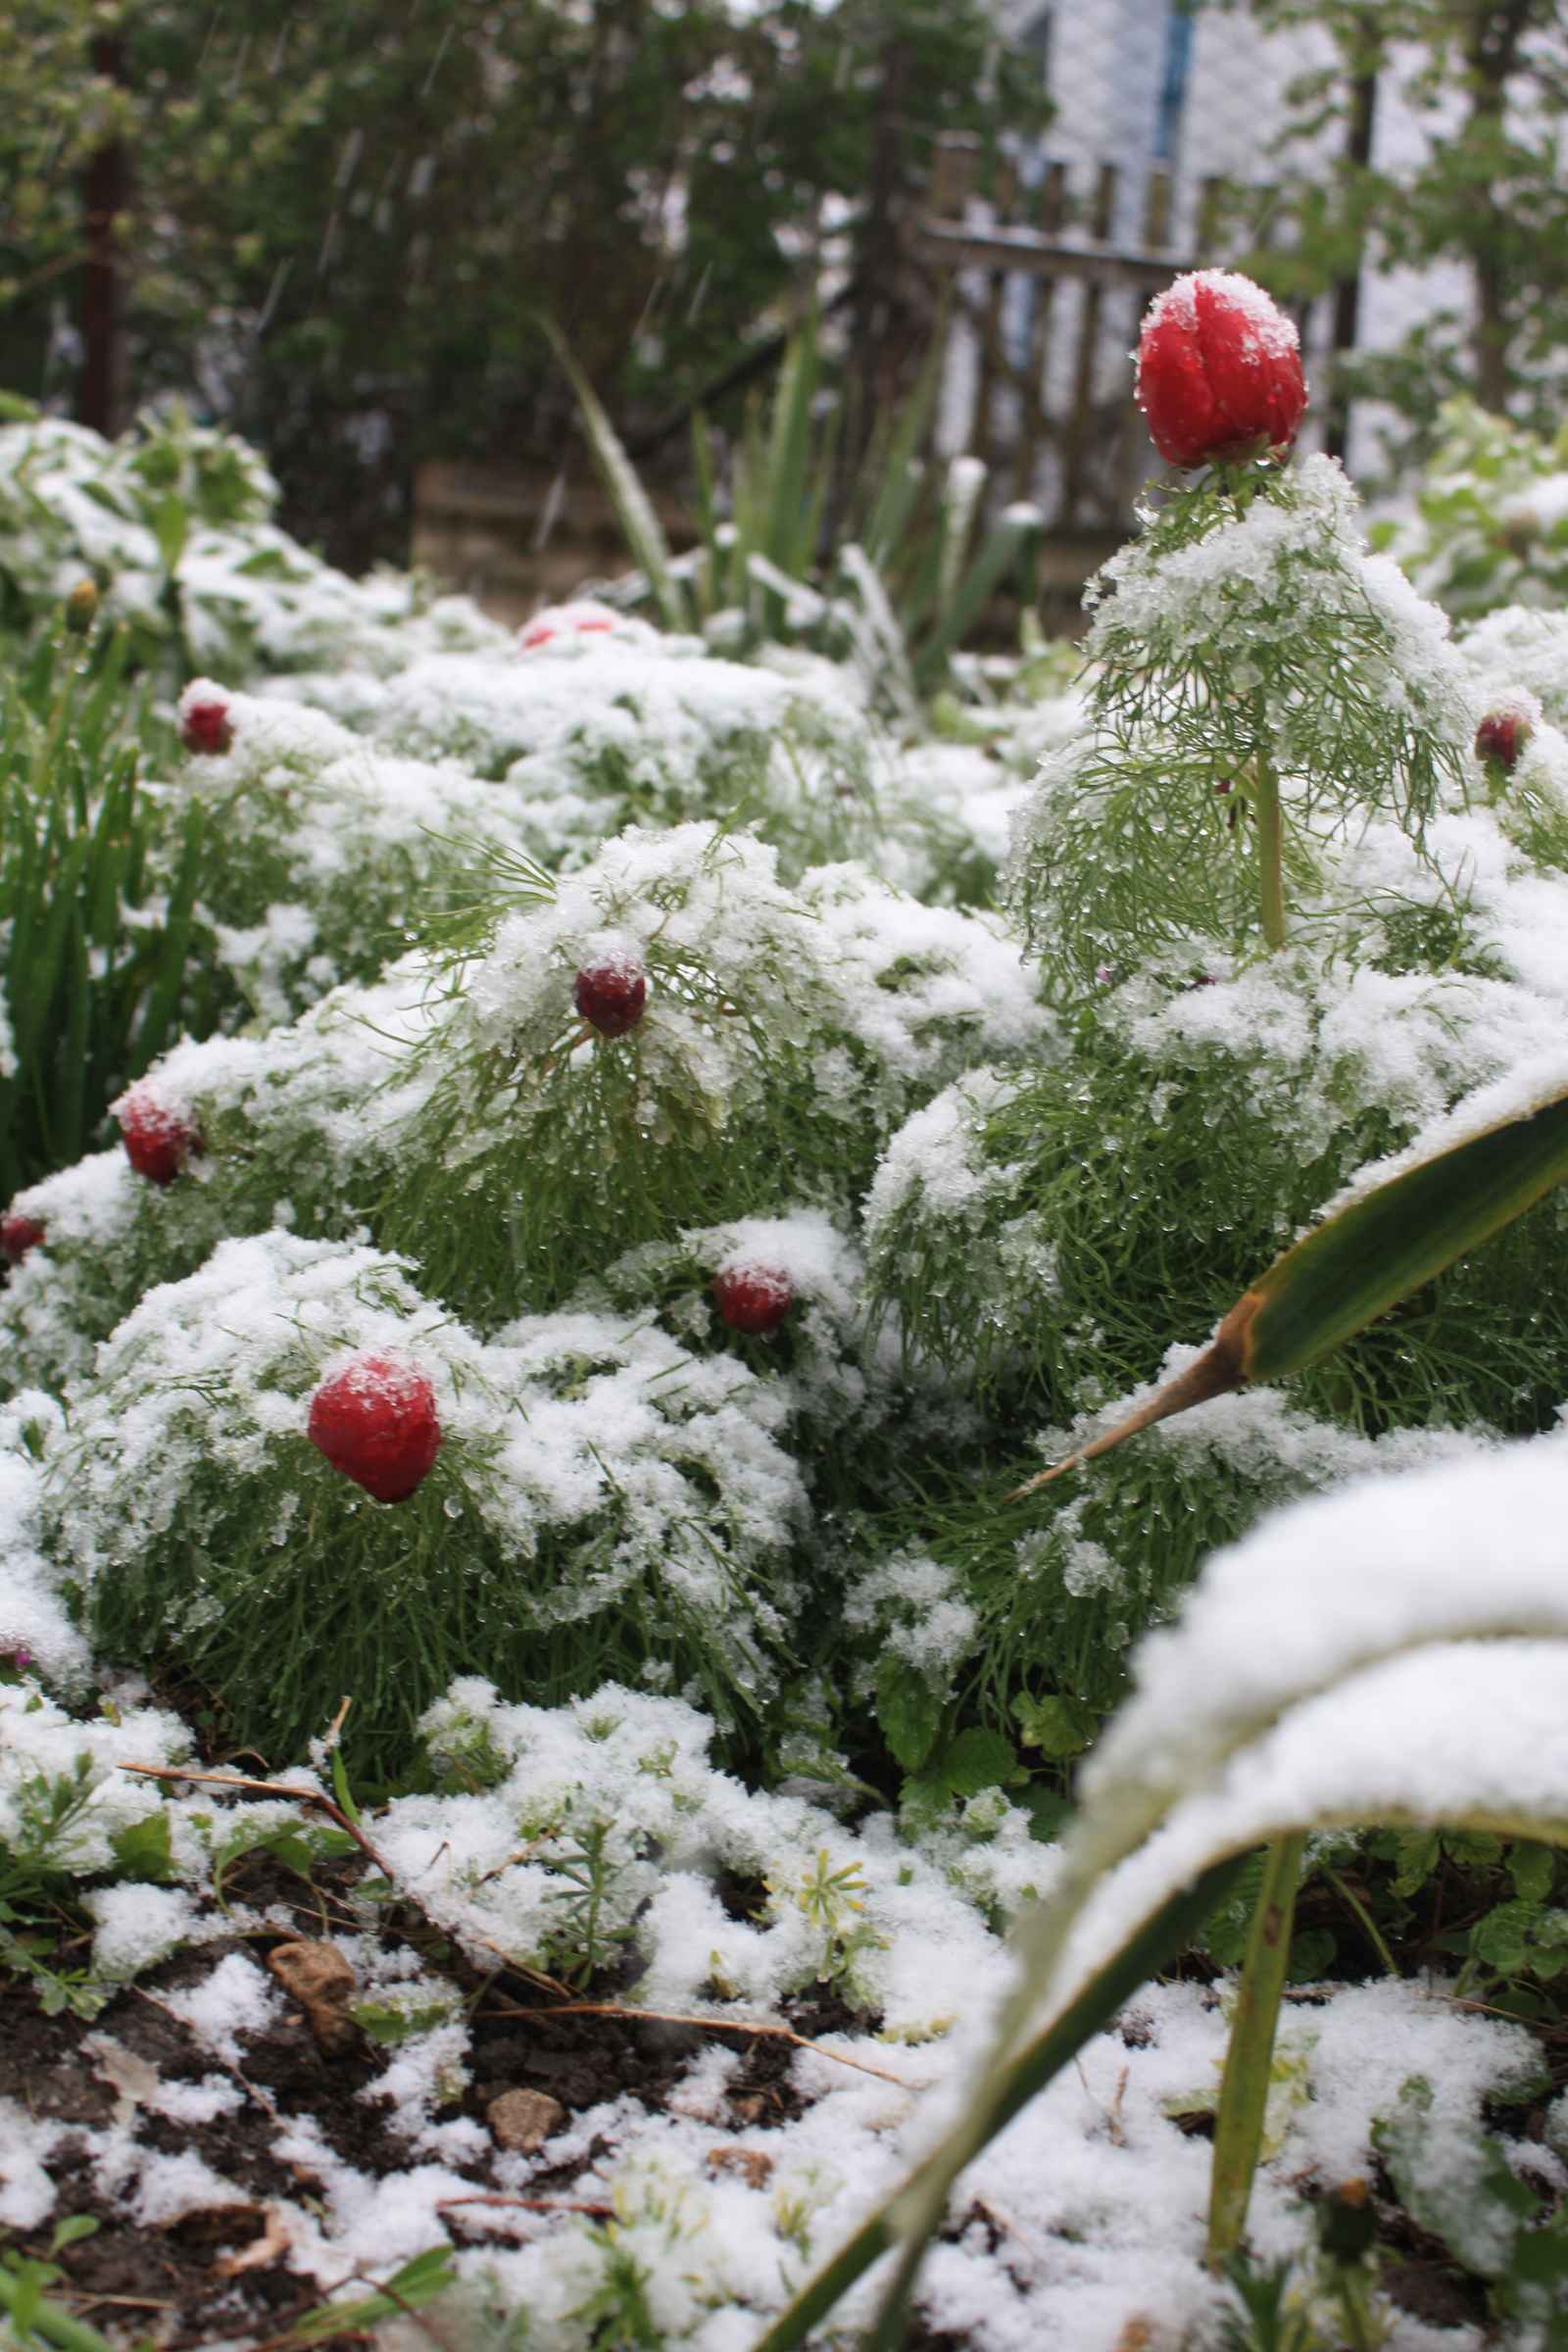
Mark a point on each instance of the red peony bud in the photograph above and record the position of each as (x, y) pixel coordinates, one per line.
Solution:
(160, 1139)
(1219, 371)
(753, 1299)
(205, 727)
(19, 1235)
(1502, 736)
(583, 617)
(610, 992)
(375, 1420)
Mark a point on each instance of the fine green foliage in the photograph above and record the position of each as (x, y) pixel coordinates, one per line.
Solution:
(1258, 691)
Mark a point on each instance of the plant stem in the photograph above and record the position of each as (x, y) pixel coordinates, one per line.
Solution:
(1270, 849)
(1244, 2092)
(1365, 1918)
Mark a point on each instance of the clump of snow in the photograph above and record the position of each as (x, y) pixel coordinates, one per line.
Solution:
(236, 1998)
(634, 1766)
(1525, 647)
(916, 1608)
(333, 842)
(137, 1925)
(27, 2191)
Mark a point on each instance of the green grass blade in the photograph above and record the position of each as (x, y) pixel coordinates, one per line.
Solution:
(163, 1001)
(1249, 2056)
(644, 534)
(70, 1076)
(898, 473)
(1014, 531)
(789, 451)
(48, 2322)
(709, 581)
(1171, 1928)
(962, 496)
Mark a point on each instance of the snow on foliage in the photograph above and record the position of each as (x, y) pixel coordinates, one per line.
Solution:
(590, 1473)
(998, 1199)
(172, 522)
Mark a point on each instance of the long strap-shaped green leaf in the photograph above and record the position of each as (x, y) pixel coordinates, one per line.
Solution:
(633, 507)
(1172, 1927)
(1356, 1266)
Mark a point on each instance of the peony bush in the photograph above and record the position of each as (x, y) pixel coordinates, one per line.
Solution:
(601, 1288)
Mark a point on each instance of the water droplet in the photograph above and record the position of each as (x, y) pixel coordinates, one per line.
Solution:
(453, 1507)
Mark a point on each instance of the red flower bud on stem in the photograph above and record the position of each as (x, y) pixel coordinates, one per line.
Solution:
(375, 1420)
(205, 726)
(1502, 736)
(159, 1138)
(1219, 371)
(610, 992)
(753, 1299)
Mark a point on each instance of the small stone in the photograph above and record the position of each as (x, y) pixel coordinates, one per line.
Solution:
(523, 2120)
(321, 1980)
(313, 1972)
(755, 2162)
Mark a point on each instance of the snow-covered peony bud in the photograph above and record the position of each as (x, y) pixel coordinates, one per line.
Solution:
(159, 1136)
(1502, 736)
(1219, 371)
(205, 725)
(584, 618)
(610, 991)
(19, 1235)
(375, 1420)
(753, 1297)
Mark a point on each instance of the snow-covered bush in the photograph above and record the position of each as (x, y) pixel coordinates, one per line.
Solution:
(1051, 1231)
(598, 1491)
(172, 522)
(1288, 924)
(524, 1164)
(1488, 525)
